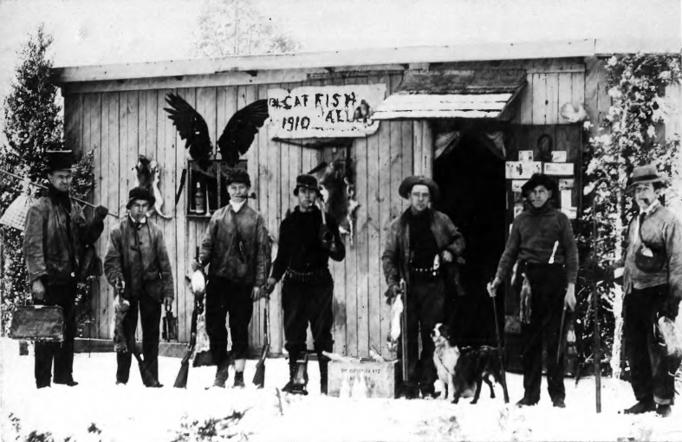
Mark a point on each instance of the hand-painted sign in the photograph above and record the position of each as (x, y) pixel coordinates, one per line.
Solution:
(324, 111)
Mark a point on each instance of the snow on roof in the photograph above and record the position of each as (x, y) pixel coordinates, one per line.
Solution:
(366, 57)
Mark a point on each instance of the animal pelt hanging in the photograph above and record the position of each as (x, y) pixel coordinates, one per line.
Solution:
(338, 191)
(148, 176)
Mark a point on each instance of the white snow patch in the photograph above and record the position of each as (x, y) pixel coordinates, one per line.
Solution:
(135, 413)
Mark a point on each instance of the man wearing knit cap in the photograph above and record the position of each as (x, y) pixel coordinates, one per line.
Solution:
(307, 239)
(652, 283)
(420, 243)
(55, 236)
(137, 266)
(236, 248)
(542, 241)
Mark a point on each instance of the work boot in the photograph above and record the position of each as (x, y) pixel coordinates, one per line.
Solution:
(640, 407)
(525, 402)
(294, 386)
(559, 403)
(221, 375)
(68, 382)
(663, 410)
(238, 379)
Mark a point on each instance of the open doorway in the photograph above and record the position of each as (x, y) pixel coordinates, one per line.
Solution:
(468, 166)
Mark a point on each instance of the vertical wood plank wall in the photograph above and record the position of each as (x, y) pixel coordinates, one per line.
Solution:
(120, 125)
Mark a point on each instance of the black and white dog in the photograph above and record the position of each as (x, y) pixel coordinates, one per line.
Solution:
(475, 366)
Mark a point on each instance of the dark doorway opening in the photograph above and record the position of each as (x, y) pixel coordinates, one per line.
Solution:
(468, 166)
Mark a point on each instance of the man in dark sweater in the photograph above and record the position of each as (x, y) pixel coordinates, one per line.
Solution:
(542, 241)
(307, 239)
(420, 245)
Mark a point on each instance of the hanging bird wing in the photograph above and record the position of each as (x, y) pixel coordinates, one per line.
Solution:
(240, 131)
(192, 128)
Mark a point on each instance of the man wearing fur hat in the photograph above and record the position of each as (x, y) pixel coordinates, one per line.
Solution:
(236, 247)
(137, 265)
(420, 243)
(55, 236)
(652, 283)
(542, 241)
(307, 239)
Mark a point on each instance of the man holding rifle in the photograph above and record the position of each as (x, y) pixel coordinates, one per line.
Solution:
(236, 247)
(419, 245)
(55, 236)
(137, 265)
(308, 237)
(542, 241)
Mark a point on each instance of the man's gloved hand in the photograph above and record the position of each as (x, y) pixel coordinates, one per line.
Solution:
(196, 265)
(670, 307)
(392, 292)
(101, 212)
(38, 291)
(270, 285)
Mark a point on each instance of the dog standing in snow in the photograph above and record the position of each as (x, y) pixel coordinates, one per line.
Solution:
(476, 365)
(445, 357)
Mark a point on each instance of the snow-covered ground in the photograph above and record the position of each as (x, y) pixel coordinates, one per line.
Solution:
(99, 410)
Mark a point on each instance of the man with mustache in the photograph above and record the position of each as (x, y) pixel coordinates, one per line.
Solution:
(652, 283)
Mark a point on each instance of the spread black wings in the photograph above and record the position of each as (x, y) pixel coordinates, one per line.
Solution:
(240, 131)
(192, 128)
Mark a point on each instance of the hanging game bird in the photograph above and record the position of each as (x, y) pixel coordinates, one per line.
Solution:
(235, 140)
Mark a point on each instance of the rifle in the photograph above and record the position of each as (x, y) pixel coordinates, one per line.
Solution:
(403, 326)
(259, 376)
(500, 356)
(183, 373)
(148, 379)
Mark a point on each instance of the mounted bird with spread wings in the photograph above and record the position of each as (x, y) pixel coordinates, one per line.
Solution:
(235, 140)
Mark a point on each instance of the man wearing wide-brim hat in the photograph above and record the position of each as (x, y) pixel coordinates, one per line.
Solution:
(420, 244)
(308, 237)
(138, 267)
(55, 235)
(236, 247)
(542, 242)
(652, 283)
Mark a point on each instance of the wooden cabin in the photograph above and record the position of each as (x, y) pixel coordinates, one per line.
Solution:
(478, 119)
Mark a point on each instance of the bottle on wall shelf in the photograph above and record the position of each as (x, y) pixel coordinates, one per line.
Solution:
(199, 200)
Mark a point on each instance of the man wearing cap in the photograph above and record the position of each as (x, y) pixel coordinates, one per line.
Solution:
(419, 244)
(542, 241)
(652, 283)
(55, 235)
(137, 266)
(236, 247)
(307, 239)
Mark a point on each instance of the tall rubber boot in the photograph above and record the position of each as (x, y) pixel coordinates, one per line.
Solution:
(292, 373)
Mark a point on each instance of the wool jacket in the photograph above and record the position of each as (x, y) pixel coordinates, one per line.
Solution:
(300, 248)
(137, 255)
(55, 235)
(236, 246)
(532, 238)
(661, 230)
(396, 256)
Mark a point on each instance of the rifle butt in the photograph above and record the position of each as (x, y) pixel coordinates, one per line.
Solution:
(183, 373)
(259, 376)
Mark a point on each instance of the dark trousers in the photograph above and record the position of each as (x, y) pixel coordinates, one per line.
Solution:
(62, 353)
(307, 303)
(548, 288)
(652, 372)
(425, 308)
(222, 297)
(150, 317)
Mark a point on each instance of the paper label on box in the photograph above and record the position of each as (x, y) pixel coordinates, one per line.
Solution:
(559, 156)
(519, 169)
(558, 168)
